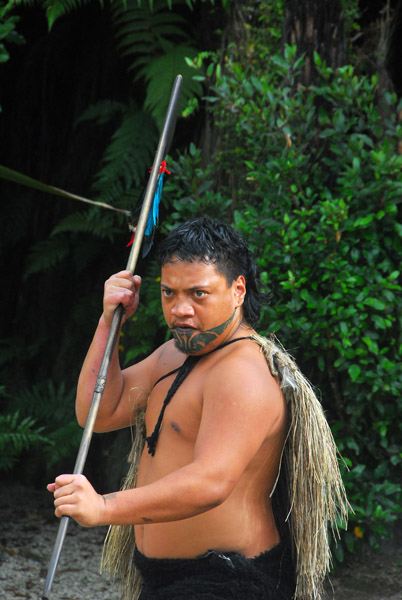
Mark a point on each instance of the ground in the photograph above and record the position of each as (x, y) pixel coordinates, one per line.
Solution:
(28, 532)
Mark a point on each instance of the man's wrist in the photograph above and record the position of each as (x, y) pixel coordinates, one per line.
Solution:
(106, 512)
(103, 322)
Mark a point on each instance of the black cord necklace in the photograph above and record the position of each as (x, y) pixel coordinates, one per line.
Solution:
(182, 373)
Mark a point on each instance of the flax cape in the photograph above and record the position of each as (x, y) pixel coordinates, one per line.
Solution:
(310, 494)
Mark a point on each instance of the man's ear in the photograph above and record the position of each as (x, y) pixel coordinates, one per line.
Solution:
(239, 290)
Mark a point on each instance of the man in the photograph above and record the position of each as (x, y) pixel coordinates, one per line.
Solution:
(216, 425)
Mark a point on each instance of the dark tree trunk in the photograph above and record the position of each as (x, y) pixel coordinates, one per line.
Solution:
(316, 26)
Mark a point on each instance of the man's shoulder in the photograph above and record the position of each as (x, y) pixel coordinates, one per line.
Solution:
(242, 382)
(244, 364)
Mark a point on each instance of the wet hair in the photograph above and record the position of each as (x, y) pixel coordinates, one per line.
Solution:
(214, 242)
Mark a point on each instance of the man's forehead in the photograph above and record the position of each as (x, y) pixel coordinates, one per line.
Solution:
(195, 272)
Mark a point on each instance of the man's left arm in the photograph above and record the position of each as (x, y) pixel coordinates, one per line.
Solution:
(242, 406)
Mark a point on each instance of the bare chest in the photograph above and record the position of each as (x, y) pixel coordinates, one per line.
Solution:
(182, 414)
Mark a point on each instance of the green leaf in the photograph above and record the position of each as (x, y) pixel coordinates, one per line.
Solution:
(354, 372)
(398, 228)
(363, 221)
(4, 55)
(326, 133)
(339, 552)
(375, 303)
(317, 59)
(16, 177)
(279, 61)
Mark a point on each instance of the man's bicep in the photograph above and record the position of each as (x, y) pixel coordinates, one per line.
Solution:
(240, 411)
(134, 393)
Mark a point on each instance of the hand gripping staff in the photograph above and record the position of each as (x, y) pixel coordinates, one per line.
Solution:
(162, 149)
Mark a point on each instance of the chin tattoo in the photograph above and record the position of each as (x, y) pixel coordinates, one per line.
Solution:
(191, 341)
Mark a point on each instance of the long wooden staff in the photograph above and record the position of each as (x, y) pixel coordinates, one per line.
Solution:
(163, 146)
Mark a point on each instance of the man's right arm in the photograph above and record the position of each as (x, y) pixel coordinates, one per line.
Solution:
(125, 391)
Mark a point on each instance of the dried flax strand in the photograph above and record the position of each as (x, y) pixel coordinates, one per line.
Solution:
(315, 496)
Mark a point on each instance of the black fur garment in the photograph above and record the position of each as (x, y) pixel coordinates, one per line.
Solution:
(217, 576)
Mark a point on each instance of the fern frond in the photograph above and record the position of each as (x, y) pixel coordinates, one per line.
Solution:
(17, 435)
(114, 191)
(35, 401)
(59, 436)
(129, 155)
(158, 41)
(65, 442)
(111, 190)
(19, 219)
(7, 461)
(102, 112)
(46, 254)
(94, 222)
(190, 3)
(161, 73)
(29, 3)
(58, 8)
(142, 30)
(54, 8)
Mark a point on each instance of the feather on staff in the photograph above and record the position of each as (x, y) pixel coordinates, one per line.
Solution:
(153, 215)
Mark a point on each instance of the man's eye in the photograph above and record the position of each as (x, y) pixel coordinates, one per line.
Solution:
(199, 293)
(166, 293)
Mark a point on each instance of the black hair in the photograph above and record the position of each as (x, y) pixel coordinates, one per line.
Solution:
(216, 242)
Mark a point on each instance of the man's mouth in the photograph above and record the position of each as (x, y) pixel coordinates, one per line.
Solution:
(183, 327)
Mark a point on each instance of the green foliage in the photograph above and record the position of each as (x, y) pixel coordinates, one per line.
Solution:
(376, 502)
(160, 74)
(56, 438)
(125, 161)
(157, 40)
(55, 9)
(8, 32)
(65, 241)
(17, 434)
(46, 254)
(190, 192)
(144, 31)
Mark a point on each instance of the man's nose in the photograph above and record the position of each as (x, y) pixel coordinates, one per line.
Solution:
(182, 308)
